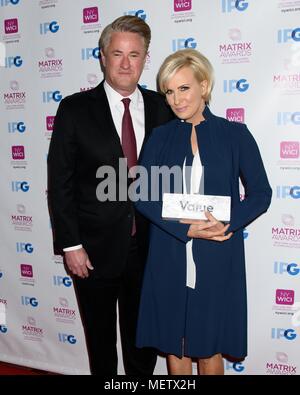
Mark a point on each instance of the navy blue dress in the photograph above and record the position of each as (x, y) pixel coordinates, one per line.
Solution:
(212, 318)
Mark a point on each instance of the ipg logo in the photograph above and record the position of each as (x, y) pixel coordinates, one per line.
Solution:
(139, 13)
(283, 267)
(29, 301)
(234, 5)
(3, 329)
(286, 118)
(282, 333)
(240, 85)
(18, 186)
(24, 247)
(65, 338)
(90, 53)
(4, 3)
(181, 43)
(14, 127)
(59, 280)
(50, 96)
(236, 366)
(13, 61)
(285, 35)
(49, 27)
(285, 191)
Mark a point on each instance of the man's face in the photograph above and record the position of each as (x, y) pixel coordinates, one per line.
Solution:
(124, 60)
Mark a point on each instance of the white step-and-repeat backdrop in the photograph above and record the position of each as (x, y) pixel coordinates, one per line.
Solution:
(48, 50)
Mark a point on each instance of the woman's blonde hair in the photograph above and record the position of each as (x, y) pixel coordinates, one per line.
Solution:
(201, 66)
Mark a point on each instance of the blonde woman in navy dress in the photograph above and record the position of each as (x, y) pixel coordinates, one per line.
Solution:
(193, 301)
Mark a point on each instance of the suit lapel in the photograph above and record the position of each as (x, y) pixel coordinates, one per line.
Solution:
(100, 111)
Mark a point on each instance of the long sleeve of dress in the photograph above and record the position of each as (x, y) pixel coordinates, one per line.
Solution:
(258, 192)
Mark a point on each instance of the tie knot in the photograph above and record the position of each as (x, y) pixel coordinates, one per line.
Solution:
(126, 103)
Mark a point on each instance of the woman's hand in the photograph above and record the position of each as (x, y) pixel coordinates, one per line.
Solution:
(212, 229)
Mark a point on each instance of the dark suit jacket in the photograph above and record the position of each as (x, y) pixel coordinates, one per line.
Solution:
(84, 138)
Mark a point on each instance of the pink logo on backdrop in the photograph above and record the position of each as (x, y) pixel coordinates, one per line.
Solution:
(235, 34)
(289, 149)
(26, 271)
(90, 15)
(49, 123)
(11, 26)
(285, 296)
(235, 114)
(288, 219)
(182, 5)
(18, 152)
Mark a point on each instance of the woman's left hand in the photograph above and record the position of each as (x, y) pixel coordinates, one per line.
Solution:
(210, 229)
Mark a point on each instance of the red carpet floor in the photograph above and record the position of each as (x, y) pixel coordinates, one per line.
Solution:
(13, 370)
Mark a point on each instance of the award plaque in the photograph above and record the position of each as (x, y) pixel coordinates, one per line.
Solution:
(178, 206)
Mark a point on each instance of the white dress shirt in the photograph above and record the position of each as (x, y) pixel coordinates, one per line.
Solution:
(136, 108)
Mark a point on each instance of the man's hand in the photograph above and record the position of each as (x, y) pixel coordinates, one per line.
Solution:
(212, 229)
(78, 262)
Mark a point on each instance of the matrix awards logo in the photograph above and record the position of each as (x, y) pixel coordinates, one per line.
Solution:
(18, 156)
(11, 31)
(287, 234)
(287, 83)
(49, 126)
(237, 50)
(48, 3)
(289, 155)
(235, 114)
(22, 221)
(92, 80)
(50, 66)
(31, 331)
(63, 313)
(280, 365)
(182, 11)
(91, 20)
(15, 99)
(26, 274)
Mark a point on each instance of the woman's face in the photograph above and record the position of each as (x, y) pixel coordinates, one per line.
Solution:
(185, 95)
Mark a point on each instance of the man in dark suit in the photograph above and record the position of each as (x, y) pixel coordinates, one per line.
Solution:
(105, 243)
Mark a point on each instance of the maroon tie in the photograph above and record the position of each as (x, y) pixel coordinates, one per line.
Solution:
(128, 136)
(129, 144)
